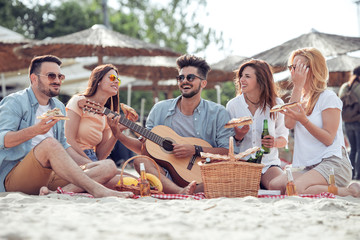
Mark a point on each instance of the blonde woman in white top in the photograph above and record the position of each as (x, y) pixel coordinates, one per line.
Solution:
(319, 141)
(256, 95)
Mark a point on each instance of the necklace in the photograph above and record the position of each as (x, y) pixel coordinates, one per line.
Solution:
(253, 103)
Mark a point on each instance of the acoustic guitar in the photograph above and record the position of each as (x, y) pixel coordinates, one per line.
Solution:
(160, 145)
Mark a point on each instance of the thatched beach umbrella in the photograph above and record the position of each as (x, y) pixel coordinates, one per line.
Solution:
(9, 61)
(328, 44)
(340, 69)
(95, 41)
(143, 67)
(9, 40)
(158, 73)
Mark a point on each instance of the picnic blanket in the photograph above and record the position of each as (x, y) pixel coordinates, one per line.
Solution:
(200, 196)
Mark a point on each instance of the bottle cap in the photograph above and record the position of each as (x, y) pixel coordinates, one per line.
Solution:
(142, 167)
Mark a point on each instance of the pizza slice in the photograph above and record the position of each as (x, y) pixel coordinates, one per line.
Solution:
(280, 107)
(55, 113)
(241, 121)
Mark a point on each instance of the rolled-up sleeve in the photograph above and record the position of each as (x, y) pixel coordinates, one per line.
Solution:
(11, 118)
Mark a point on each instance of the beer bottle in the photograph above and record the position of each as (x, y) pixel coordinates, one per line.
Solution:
(332, 187)
(251, 160)
(265, 132)
(144, 183)
(290, 186)
(259, 155)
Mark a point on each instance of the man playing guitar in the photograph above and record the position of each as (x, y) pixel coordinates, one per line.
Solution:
(190, 117)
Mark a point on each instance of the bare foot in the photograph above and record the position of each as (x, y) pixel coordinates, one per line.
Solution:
(189, 189)
(44, 191)
(112, 193)
(355, 189)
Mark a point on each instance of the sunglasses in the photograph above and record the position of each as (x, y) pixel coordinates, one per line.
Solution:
(291, 67)
(52, 76)
(112, 78)
(189, 77)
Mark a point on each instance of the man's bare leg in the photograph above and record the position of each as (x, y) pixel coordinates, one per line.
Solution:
(51, 154)
(168, 185)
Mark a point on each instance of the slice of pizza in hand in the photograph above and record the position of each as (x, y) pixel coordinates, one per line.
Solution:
(247, 152)
(280, 107)
(241, 121)
(55, 112)
(129, 112)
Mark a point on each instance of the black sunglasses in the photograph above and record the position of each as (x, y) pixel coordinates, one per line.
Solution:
(291, 67)
(52, 76)
(190, 77)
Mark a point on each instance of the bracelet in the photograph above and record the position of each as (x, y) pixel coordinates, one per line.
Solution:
(236, 140)
(198, 150)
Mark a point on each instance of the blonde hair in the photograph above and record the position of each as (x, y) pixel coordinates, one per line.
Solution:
(317, 76)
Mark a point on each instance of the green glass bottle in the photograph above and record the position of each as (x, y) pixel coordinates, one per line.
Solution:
(259, 155)
(265, 132)
(251, 160)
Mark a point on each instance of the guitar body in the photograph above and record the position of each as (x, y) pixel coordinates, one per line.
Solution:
(178, 167)
(159, 145)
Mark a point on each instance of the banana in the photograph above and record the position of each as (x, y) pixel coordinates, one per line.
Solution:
(154, 181)
(128, 181)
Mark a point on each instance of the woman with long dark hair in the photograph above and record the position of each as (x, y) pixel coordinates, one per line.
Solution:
(256, 95)
(88, 133)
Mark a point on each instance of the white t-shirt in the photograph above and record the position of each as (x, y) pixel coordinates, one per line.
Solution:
(237, 107)
(37, 139)
(307, 149)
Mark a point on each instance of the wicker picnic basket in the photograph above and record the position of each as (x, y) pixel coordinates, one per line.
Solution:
(231, 178)
(135, 189)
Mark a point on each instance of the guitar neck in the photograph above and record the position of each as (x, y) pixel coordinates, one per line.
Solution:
(146, 133)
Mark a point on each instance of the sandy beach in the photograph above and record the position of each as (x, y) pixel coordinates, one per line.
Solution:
(58, 216)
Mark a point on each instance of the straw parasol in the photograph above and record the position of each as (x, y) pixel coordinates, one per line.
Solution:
(157, 73)
(143, 67)
(328, 44)
(95, 41)
(8, 60)
(340, 69)
(8, 41)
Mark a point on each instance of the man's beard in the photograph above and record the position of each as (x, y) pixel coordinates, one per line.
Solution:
(48, 92)
(192, 93)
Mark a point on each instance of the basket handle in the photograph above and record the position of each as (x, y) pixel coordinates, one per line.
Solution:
(142, 156)
(231, 149)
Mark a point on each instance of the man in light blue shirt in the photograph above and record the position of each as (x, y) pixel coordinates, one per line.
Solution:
(194, 119)
(33, 152)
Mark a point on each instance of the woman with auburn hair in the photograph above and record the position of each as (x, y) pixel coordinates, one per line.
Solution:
(88, 133)
(319, 141)
(256, 95)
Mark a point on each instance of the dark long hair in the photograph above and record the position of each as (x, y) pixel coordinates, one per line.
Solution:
(264, 77)
(96, 76)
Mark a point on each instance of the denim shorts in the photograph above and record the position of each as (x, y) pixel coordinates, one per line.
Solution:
(91, 154)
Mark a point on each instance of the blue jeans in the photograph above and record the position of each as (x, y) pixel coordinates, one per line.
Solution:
(91, 154)
(353, 133)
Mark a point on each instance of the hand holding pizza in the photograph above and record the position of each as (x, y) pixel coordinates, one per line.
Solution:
(45, 125)
(129, 112)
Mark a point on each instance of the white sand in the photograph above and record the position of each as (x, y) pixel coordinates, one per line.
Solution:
(64, 217)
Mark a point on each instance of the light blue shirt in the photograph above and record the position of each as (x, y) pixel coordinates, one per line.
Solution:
(209, 120)
(18, 111)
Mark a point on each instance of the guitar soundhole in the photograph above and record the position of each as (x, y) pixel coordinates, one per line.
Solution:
(167, 145)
